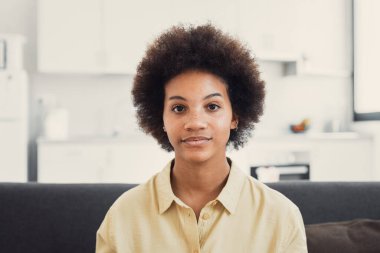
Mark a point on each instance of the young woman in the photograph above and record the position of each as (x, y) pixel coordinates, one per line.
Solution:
(198, 90)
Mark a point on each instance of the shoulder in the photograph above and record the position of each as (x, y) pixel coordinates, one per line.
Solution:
(129, 210)
(266, 196)
(129, 213)
(274, 207)
(286, 214)
(141, 197)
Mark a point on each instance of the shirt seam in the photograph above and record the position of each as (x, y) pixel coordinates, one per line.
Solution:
(111, 234)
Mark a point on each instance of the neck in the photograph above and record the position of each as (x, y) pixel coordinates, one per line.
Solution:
(205, 179)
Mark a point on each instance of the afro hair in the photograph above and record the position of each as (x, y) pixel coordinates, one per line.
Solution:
(204, 48)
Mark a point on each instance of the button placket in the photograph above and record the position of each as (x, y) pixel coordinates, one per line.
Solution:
(189, 227)
(203, 225)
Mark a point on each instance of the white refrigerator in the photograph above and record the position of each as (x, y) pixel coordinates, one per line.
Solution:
(13, 112)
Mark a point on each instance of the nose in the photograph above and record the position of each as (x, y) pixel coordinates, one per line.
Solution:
(195, 121)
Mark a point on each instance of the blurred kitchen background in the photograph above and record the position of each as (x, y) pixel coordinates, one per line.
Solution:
(66, 72)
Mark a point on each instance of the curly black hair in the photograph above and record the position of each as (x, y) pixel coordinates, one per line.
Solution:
(204, 48)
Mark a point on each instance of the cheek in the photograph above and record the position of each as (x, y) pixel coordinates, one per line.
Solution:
(168, 122)
(223, 124)
(172, 129)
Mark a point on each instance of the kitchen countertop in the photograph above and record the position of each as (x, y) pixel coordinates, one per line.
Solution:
(315, 136)
(276, 137)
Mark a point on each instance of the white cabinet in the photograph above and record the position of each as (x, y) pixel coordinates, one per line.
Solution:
(99, 161)
(134, 162)
(332, 35)
(332, 157)
(13, 151)
(110, 36)
(321, 44)
(70, 36)
(118, 161)
(70, 162)
(131, 26)
(342, 160)
(13, 126)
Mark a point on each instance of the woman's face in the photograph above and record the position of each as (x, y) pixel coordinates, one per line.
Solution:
(197, 116)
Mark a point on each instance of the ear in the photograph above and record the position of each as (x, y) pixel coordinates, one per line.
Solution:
(234, 121)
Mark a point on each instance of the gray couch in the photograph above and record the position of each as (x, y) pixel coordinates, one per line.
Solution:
(63, 218)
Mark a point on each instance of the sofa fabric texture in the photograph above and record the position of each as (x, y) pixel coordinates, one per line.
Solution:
(359, 235)
(53, 218)
(61, 218)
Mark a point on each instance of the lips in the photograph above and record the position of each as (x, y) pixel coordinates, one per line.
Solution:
(196, 140)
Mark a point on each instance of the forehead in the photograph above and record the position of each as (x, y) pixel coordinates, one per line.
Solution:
(194, 84)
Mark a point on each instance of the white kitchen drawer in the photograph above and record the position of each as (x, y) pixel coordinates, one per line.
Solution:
(70, 163)
(342, 160)
(99, 161)
(332, 156)
(134, 163)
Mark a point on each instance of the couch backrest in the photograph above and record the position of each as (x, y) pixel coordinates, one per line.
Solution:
(333, 201)
(53, 218)
(62, 218)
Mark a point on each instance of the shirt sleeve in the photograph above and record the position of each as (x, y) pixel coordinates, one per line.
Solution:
(296, 241)
(104, 242)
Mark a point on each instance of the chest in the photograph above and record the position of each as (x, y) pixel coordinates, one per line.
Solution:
(215, 231)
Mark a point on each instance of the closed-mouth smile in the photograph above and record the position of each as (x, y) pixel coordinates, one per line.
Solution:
(196, 140)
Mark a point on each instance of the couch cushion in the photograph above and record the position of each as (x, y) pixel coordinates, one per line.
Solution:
(53, 218)
(360, 235)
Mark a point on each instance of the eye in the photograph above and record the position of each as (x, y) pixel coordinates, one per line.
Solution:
(213, 107)
(178, 108)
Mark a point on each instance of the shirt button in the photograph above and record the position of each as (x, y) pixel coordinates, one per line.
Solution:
(205, 216)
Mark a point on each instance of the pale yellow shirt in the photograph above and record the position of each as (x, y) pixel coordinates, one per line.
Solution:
(247, 216)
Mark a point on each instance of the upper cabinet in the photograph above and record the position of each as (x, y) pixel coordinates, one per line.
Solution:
(70, 36)
(306, 37)
(111, 36)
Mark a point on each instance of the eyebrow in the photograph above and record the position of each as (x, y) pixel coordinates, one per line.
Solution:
(206, 97)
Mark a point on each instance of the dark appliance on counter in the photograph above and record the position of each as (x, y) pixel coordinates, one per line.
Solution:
(287, 171)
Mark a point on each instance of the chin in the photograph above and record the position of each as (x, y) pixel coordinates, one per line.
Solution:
(195, 156)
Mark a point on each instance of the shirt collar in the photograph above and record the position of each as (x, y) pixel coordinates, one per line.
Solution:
(230, 194)
(164, 189)
(228, 197)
